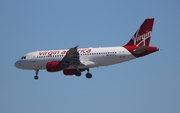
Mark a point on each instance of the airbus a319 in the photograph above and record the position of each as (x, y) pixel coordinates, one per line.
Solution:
(74, 61)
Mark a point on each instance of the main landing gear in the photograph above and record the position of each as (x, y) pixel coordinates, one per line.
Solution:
(88, 74)
(36, 76)
(78, 73)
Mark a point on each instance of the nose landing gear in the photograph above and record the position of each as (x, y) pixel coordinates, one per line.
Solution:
(36, 76)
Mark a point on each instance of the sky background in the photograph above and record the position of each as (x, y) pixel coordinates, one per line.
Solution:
(150, 84)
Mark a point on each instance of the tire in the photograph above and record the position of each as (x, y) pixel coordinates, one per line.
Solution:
(89, 75)
(36, 77)
(78, 73)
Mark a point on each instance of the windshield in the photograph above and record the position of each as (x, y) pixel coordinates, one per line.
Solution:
(23, 57)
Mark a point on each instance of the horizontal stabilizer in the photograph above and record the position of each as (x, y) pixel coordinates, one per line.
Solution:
(140, 50)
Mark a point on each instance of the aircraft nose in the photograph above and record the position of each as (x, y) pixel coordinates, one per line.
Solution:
(17, 64)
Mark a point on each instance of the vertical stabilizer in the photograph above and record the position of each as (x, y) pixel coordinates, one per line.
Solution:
(143, 35)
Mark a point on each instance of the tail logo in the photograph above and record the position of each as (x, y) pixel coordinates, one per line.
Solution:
(138, 40)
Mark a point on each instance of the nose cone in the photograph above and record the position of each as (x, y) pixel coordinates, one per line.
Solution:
(17, 64)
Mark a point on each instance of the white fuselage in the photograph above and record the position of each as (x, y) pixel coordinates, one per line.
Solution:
(74, 61)
(90, 57)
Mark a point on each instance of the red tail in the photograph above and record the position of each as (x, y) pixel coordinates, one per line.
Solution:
(143, 34)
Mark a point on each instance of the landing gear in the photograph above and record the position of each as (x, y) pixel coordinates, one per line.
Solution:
(88, 74)
(78, 73)
(36, 76)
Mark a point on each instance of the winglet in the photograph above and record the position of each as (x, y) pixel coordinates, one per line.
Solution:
(76, 46)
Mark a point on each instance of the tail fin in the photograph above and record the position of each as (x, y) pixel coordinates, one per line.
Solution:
(143, 34)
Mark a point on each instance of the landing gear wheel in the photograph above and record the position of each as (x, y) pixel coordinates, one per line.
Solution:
(78, 73)
(88, 75)
(36, 77)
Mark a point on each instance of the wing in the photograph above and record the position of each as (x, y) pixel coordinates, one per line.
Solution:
(72, 57)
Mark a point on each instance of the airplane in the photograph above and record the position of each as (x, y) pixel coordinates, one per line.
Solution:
(73, 61)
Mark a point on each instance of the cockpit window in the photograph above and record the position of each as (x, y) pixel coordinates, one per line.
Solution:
(23, 57)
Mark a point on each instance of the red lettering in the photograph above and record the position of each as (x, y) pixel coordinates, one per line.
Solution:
(49, 53)
(84, 51)
(88, 50)
(42, 53)
(64, 52)
(57, 52)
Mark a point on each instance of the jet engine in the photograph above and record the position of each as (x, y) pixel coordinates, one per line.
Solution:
(69, 71)
(53, 66)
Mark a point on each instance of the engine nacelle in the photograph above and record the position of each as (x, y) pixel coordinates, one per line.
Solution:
(69, 71)
(53, 66)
